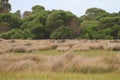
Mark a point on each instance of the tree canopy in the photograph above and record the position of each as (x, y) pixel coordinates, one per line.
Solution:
(39, 23)
(4, 6)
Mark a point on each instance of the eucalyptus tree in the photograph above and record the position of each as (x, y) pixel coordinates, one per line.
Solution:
(5, 6)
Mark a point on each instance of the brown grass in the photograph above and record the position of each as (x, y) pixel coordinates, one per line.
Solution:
(68, 62)
(67, 45)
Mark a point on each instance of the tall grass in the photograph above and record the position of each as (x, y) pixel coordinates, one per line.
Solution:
(32, 46)
(68, 62)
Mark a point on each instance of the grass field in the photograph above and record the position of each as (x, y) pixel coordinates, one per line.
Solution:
(48, 60)
(59, 76)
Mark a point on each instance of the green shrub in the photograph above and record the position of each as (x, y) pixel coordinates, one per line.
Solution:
(17, 34)
(39, 31)
(63, 32)
(13, 34)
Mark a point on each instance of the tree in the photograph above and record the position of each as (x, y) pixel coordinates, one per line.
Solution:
(94, 25)
(88, 29)
(35, 19)
(115, 31)
(4, 6)
(93, 30)
(96, 13)
(27, 14)
(4, 27)
(42, 17)
(11, 20)
(63, 32)
(39, 32)
(36, 23)
(58, 18)
(55, 19)
(103, 34)
(18, 13)
(118, 35)
(38, 8)
(109, 21)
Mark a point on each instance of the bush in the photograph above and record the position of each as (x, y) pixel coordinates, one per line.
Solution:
(17, 34)
(93, 30)
(27, 34)
(63, 32)
(102, 34)
(11, 19)
(88, 29)
(118, 35)
(13, 34)
(39, 32)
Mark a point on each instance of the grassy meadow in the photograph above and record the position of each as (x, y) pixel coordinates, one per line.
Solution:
(59, 76)
(59, 59)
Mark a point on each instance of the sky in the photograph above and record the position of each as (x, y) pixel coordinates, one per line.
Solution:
(77, 7)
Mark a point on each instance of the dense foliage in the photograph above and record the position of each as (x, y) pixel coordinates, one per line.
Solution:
(57, 24)
(62, 33)
(4, 6)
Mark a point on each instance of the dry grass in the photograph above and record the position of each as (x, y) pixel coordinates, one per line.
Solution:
(66, 45)
(68, 62)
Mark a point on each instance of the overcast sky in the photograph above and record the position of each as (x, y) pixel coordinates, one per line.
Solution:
(77, 7)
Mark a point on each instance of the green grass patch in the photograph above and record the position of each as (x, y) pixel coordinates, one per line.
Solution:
(49, 52)
(59, 76)
(44, 52)
(91, 53)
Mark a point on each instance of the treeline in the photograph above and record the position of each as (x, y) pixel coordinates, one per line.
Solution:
(39, 23)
